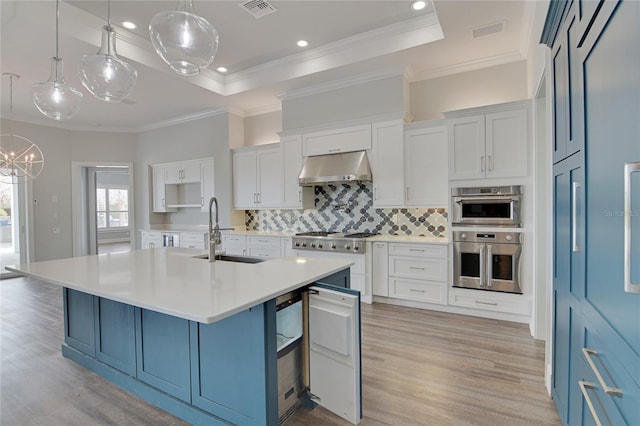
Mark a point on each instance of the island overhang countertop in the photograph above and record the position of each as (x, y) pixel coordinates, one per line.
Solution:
(172, 281)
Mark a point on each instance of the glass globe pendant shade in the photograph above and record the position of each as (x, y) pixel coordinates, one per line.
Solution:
(104, 74)
(55, 98)
(185, 41)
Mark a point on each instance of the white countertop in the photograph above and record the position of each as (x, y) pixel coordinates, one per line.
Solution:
(169, 280)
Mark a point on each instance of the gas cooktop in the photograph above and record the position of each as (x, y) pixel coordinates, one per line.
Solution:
(340, 242)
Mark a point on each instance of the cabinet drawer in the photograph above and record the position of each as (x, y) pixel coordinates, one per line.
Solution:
(235, 250)
(197, 241)
(263, 242)
(412, 267)
(418, 250)
(234, 240)
(421, 290)
(264, 252)
(151, 235)
(490, 301)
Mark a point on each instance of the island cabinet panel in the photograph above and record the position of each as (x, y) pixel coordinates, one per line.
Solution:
(115, 334)
(162, 351)
(79, 330)
(233, 374)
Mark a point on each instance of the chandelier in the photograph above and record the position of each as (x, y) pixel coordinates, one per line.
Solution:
(19, 157)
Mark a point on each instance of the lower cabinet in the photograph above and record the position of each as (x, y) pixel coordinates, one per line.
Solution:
(162, 350)
(115, 334)
(79, 321)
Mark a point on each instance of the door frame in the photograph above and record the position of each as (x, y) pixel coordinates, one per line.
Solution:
(25, 234)
(79, 232)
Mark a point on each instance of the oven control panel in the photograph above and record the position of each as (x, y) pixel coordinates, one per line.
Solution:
(497, 237)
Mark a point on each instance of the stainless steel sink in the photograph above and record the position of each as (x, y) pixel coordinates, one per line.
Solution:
(225, 258)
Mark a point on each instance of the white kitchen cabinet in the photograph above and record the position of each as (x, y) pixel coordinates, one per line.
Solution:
(286, 247)
(234, 245)
(380, 269)
(489, 142)
(354, 138)
(263, 246)
(207, 184)
(293, 195)
(387, 164)
(163, 195)
(425, 167)
(257, 179)
(194, 240)
(151, 239)
(182, 172)
(418, 272)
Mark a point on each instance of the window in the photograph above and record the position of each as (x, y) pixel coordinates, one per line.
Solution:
(112, 206)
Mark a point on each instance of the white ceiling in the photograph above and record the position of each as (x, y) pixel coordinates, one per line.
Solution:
(346, 39)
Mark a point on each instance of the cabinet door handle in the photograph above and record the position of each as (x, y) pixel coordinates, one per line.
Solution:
(587, 352)
(335, 150)
(574, 216)
(489, 265)
(163, 203)
(152, 245)
(415, 249)
(629, 286)
(416, 291)
(480, 302)
(415, 268)
(482, 163)
(202, 201)
(583, 388)
(408, 193)
(490, 160)
(299, 195)
(482, 264)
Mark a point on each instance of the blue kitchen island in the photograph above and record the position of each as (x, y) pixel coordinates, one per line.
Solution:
(199, 339)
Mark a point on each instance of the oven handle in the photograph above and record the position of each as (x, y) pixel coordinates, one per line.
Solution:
(482, 265)
(629, 285)
(489, 264)
(492, 200)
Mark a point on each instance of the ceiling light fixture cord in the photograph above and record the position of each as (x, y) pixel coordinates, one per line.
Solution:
(55, 98)
(106, 75)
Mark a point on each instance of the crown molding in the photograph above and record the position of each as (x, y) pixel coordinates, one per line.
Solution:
(184, 119)
(343, 83)
(69, 126)
(263, 110)
(473, 65)
(389, 39)
(489, 109)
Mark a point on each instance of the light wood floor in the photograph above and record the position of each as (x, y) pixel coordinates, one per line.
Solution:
(419, 368)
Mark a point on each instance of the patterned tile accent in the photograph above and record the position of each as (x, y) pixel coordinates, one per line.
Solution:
(349, 208)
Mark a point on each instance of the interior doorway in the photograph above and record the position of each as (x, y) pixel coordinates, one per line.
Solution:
(103, 208)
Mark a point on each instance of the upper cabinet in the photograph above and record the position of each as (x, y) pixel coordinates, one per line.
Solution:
(257, 179)
(182, 172)
(425, 166)
(182, 184)
(347, 139)
(387, 164)
(489, 142)
(293, 195)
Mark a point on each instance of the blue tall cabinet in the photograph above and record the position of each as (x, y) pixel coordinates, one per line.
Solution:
(595, 52)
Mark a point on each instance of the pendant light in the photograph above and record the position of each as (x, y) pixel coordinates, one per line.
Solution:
(105, 74)
(185, 41)
(55, 98)
(19, 157)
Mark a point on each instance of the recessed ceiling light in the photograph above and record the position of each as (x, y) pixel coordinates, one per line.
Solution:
(302, 43)
(222, 69)
(129, 25)
(418, 5)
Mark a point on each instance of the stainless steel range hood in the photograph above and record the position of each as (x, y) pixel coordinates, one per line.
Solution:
(335, 168)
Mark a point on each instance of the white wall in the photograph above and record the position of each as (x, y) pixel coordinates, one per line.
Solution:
(487, 86)
(536, 51)
(369, 99)
(262, 129)
(61, 147)
(206, 137)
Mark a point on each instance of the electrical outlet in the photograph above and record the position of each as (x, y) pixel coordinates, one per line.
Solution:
(56, 230)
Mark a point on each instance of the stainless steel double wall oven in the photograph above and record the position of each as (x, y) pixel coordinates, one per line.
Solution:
(487, 260)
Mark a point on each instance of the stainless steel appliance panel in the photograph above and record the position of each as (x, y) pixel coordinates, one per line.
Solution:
(486, 206)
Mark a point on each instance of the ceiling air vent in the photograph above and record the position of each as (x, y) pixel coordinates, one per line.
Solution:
(485, 30)
(258, 8)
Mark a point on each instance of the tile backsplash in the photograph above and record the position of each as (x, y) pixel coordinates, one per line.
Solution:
(349, 207)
